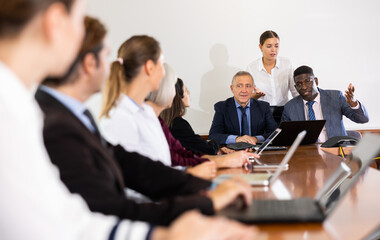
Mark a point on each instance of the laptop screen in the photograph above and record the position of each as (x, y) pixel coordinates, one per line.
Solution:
(268, 141)
(361, 157)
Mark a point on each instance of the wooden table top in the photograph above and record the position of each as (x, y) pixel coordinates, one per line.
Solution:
(354, 218)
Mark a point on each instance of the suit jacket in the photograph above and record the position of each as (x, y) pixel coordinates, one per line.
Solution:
(182, 131)
(226, 121)
(333, 105)
(99, 174)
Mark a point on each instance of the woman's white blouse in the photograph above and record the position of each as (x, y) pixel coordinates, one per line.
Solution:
(136, 129)
(276, 85)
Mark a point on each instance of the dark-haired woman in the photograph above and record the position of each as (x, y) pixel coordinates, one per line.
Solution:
(180, 128)
(273, 75)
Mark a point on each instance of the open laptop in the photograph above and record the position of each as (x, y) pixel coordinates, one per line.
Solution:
(292, 128)
(265, 145)
(259, 148)
(265, 179)
(308, 209)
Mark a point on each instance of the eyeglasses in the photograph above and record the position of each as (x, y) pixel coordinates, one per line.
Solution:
(308, 82)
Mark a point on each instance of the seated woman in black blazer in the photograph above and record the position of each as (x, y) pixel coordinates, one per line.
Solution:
(180, 128)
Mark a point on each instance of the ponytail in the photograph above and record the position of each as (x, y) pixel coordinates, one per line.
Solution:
(114, 87)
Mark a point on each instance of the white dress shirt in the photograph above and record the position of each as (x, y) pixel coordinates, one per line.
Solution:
(275, 85)
(318, 116)
(136, 129)
(35, 204)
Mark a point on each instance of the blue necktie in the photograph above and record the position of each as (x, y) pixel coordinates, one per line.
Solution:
(244, 122)
(310, 110)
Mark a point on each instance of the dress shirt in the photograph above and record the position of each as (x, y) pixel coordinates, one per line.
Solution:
(232, 138)
(35, 203)
(319, 115)
(275, 85)
(136, 129)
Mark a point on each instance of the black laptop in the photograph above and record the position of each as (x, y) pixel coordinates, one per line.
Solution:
(291, 129)
(308, 209)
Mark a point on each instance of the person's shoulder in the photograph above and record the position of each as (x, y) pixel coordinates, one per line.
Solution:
(253, 65)
(293, 101)
(224, 103)
(330, 92)
(179, 121)
(259, 102)
(285, 62)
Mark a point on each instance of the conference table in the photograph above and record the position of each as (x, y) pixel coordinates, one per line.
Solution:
(357, 215)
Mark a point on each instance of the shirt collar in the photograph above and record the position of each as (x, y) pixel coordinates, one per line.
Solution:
(130, 104)
(71, 103)
(261, 64)
(317, 99)
(238, 105)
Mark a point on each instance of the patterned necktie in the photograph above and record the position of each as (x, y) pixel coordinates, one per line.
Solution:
(93, 123)
(310, 110)
(244, 122)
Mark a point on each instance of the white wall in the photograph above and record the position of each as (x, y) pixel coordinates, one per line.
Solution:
(207, 41)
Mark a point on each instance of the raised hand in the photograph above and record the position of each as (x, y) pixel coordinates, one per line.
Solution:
(349, 94)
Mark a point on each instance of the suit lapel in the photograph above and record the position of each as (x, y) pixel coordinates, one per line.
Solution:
(255, 118)
(234, 117)
(300, 109)
(50, 105)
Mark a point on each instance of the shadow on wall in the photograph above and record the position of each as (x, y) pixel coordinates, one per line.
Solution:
(215, 84)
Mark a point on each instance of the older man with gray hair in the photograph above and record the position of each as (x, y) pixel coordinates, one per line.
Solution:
(241, 118)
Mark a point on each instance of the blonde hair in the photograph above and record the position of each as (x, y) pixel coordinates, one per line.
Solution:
(132, 55)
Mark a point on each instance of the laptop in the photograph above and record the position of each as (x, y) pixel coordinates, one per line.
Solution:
(259, 148)
(292, 128)
(309, 209)
(265, 179)
(265, 145)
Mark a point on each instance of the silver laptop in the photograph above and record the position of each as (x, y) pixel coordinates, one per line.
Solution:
(312, 209)
(265, 179)
(265, 144)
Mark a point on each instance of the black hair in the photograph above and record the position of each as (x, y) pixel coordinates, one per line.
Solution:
(302, 70)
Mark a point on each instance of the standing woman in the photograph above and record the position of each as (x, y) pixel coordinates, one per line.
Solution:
(273, 75)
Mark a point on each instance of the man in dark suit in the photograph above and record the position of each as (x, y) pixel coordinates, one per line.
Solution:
(314, 103)
(98, 171)
(240, 118)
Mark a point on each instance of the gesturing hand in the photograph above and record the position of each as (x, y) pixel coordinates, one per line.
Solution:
(350, 96)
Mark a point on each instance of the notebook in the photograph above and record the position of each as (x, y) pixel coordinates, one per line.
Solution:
(309, 209)
(291, 129)
(265, 179)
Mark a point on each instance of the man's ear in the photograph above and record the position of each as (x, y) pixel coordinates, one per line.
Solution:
(316, 80)
(53, 21)
(149, 67)
(261, 47)
(231, 87)
(89, 63)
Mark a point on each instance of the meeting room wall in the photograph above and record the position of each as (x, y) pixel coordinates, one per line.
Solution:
(208, 41)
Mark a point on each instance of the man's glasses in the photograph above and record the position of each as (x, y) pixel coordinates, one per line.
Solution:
(308, 82)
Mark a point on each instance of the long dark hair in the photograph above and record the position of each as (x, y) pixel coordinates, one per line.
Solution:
(177, 109)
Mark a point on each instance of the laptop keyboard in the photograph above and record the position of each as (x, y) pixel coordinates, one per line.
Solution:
(271, 148)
